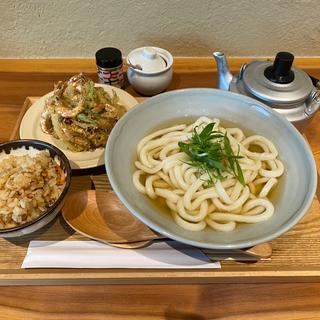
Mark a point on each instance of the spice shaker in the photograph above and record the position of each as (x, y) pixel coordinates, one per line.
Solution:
(109, 66)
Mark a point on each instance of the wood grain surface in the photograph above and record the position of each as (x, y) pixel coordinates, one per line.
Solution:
(171, 302)
(238, 291)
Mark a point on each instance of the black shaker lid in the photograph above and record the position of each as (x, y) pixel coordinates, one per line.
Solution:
(108, 57)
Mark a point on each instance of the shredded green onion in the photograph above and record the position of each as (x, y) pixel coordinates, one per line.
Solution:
(210, 151)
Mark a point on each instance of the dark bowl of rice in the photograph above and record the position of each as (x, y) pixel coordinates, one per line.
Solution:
(34, 180)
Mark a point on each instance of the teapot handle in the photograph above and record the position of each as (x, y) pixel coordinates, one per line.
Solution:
(315, 81)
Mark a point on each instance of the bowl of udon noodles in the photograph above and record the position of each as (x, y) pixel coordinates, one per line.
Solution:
(211, 168)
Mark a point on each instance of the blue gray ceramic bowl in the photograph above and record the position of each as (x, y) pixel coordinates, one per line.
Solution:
(26, 146)
(296, 190)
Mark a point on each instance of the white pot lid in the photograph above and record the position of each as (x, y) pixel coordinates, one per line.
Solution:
(148, 58)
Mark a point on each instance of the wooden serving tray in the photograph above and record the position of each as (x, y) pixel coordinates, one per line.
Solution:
(296, 254)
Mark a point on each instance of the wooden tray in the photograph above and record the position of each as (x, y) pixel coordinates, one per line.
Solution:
(296, 254)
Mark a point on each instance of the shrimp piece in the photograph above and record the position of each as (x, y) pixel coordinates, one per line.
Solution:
(98, 108)
(80, 79)
(46, 123)
(110, 111)
(71, 113)
(61, 174)
(59, 88)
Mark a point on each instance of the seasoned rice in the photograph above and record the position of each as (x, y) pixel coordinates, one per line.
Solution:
(28, 186)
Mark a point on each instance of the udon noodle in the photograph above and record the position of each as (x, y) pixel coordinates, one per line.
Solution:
(164, 171)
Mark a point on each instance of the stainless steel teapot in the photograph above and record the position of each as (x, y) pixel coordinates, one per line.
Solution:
(278, 84)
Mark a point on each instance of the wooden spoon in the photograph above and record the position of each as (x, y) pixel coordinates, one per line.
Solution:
(129, 245)
(260, 251)
(101, 216)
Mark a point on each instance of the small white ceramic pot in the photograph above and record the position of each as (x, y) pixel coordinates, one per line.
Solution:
(156, 73)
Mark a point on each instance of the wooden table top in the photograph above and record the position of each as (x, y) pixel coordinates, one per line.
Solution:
(263, 300)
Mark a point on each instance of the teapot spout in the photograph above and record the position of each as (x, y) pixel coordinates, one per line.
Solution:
(224, 76)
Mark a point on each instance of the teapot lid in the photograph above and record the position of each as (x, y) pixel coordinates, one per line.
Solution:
(148, 58)
(277, 83)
